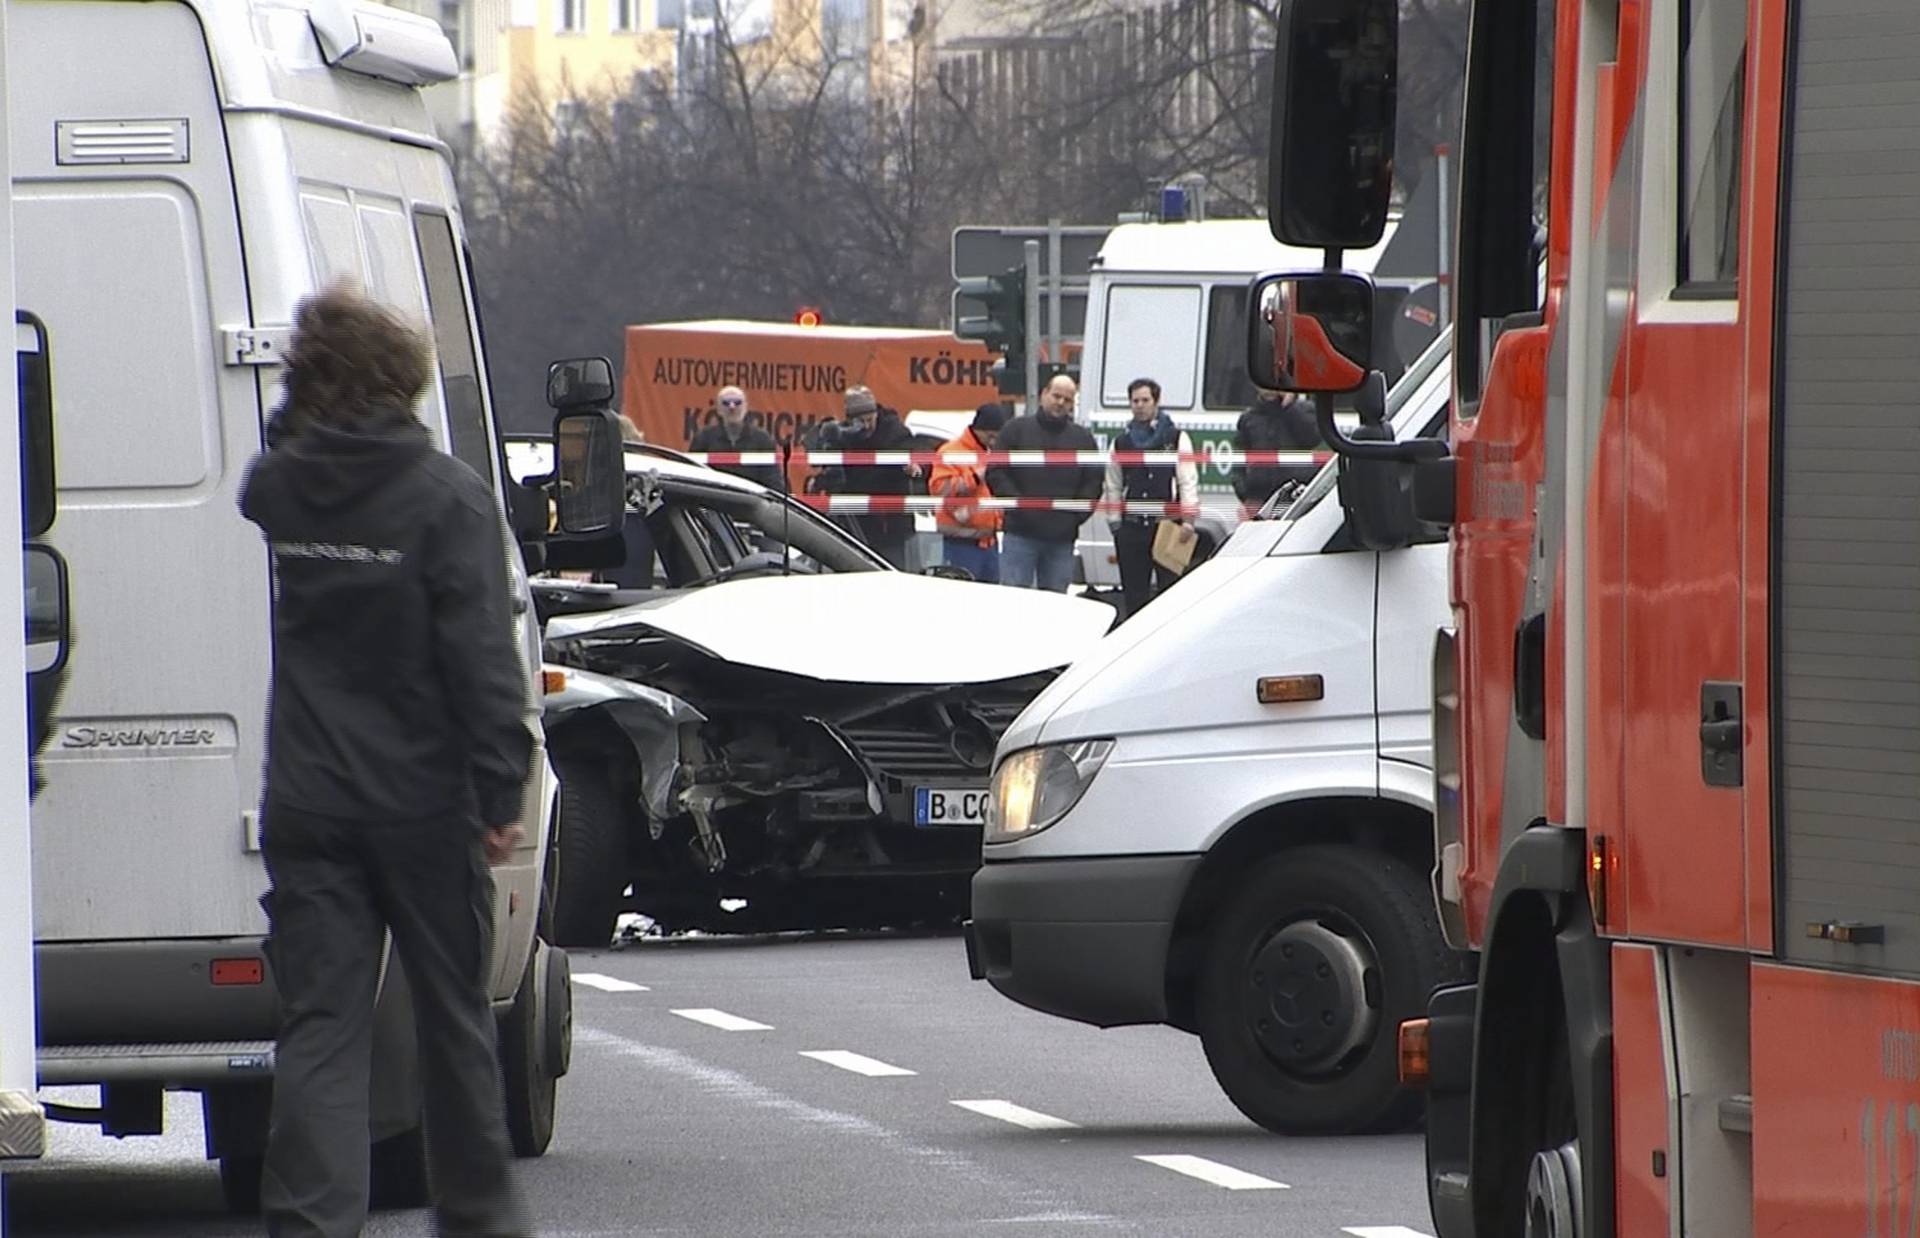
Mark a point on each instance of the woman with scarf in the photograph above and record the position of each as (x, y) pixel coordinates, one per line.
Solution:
(1150, 430)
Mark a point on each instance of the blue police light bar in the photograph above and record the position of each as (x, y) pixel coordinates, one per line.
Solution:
(1173, 204)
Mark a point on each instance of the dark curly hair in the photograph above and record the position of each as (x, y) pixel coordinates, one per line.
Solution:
(350, 353)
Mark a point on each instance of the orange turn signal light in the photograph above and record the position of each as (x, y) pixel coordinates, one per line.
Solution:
(552, 682)
(1599, 859)
(237, 971)
(1416, 1053)
(1289, 689)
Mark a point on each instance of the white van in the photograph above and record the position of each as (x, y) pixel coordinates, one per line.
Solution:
(1168, 301)
(1221, 819)
(184, 172)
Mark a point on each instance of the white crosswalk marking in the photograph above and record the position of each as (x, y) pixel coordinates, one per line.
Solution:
(724, 1021)
(858, 1064)
(607, 984)
(1383, 1231)
(1216, 1173)
(1007, 1111)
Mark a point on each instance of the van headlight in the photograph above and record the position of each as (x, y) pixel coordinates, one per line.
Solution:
(1035, 787)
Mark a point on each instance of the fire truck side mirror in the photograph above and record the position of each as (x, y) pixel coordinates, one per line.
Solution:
(1310, 332)
(1330, 165)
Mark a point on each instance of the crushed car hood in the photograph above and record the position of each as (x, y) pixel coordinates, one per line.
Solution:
(865, 627)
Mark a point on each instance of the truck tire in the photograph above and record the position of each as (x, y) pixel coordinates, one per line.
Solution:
(1311, 965)
(590, 856)
(530, 1064)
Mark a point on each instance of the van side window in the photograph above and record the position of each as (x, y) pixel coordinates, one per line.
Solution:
(1226, 381)
(453, 344)
(1152, 332)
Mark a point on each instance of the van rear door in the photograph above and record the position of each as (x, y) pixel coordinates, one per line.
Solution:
(128, 248)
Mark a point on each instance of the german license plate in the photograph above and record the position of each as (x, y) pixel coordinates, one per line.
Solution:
(949, 806)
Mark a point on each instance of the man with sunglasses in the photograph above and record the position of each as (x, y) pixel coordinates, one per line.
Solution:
(733, 433)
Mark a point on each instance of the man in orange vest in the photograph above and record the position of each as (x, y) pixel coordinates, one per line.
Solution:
(970, 534)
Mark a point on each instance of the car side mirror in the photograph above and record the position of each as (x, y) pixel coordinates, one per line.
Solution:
(580, 382)
(589, 483)
(45, 598)
(1310, 332)
(1331, 169)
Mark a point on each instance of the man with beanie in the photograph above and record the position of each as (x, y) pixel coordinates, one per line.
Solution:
(733, 432)
(1038, 550)
(970, 534)
(1149, 430)
(398, 746)
(869, 427)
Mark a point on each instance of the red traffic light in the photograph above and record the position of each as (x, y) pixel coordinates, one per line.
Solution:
(808, 316)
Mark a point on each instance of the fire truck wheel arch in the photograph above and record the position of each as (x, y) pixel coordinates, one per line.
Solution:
(1311, 965)
(1546, 969)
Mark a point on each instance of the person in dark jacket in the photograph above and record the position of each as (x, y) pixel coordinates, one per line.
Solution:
(398, 748)
(1277, 423)
(869, 427)
(1036, 551)
(733, 432)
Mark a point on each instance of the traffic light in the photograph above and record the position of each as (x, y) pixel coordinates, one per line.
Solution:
(1003, 327)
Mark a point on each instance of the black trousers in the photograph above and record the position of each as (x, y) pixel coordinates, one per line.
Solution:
(337, 884)
(1140, 577)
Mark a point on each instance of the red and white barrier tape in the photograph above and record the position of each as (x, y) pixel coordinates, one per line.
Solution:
(993, 459)
(894, 504)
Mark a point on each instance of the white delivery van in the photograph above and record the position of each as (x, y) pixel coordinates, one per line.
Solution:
(1221, 819)
(184, 172)
(1168, 301)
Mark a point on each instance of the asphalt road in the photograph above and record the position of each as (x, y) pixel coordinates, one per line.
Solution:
(834, 1086)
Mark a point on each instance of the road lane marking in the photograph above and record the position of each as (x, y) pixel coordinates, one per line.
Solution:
(872, 1068)
(724, 1021)
(1007, 1111)
(1383, 1231)
(607, 984)
(721, 1084)
(1216, 1173)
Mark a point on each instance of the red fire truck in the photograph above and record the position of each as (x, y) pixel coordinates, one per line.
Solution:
(1677, 717)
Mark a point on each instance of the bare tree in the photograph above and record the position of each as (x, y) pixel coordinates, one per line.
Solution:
(796, 167)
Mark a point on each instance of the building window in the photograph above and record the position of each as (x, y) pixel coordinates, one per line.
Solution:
(626, 16)
(1713, 91)
(567, 118)
(573, 17)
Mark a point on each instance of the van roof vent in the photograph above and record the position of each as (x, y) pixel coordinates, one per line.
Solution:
(120, 141)
(383, 42)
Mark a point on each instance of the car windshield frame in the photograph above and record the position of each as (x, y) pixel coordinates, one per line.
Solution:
(777, 516)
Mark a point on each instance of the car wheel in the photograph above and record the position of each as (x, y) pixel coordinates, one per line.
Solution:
(590, 856)
(529, 1063)
(1310, 968)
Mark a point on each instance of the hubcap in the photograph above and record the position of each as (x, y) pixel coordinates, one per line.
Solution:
(1307, 996)
(1554, 1192)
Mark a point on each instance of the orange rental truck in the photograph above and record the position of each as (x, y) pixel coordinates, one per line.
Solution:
(794, 375)
(1677, 710)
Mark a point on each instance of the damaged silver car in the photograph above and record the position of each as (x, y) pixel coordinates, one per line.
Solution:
(765, 713)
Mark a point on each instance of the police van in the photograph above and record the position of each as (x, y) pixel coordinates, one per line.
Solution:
(184, 172)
